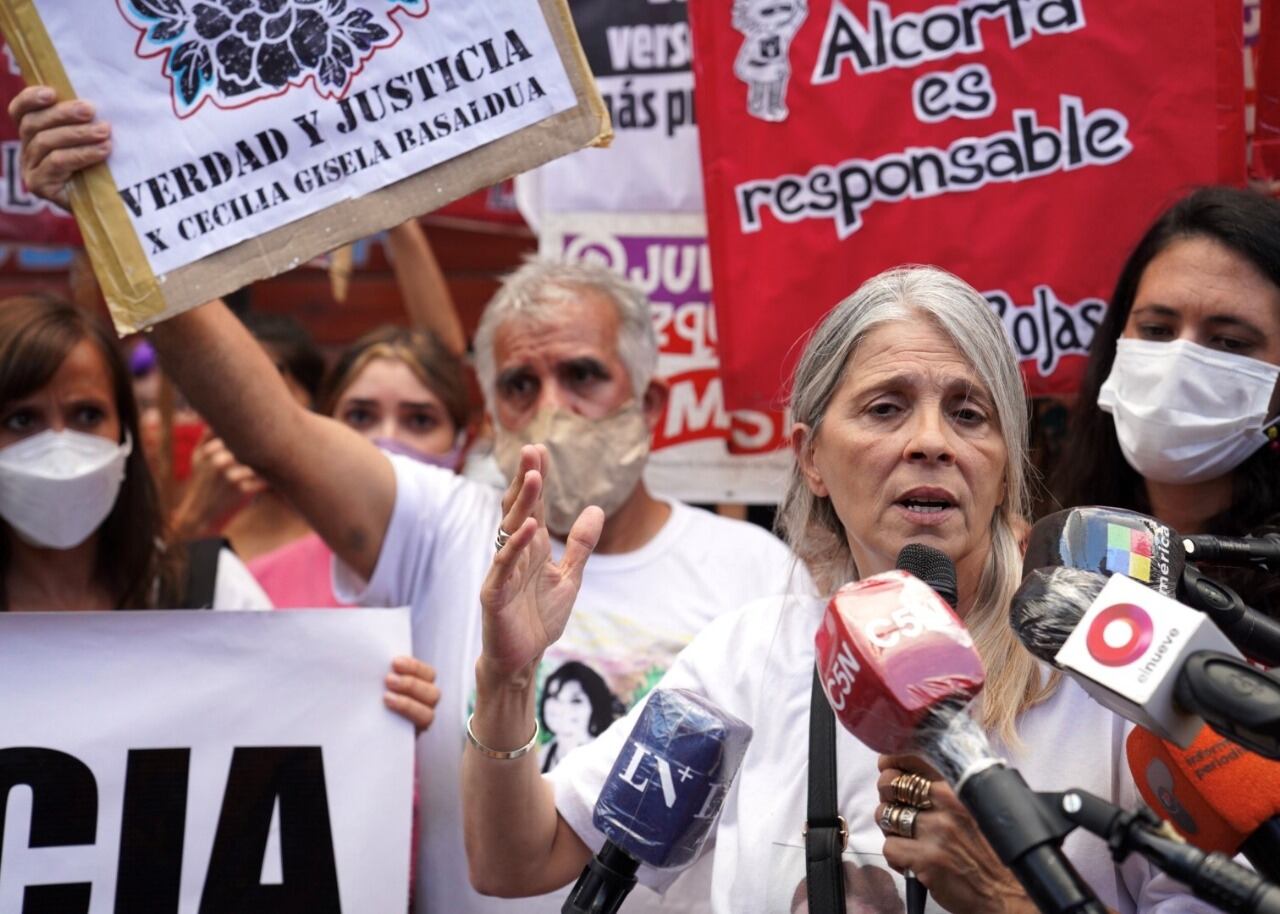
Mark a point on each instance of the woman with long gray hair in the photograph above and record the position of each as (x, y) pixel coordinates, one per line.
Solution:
(910, 426)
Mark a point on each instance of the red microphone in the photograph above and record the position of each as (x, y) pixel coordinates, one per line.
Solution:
(890, 654)
(899, 668)
(1218, 795)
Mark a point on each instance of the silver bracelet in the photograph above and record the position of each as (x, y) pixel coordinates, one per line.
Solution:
(494, 753)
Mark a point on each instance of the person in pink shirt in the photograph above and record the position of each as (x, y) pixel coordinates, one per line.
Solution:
(405, 391)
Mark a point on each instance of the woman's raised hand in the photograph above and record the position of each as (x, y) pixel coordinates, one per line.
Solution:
(58, 140)
(526, 597)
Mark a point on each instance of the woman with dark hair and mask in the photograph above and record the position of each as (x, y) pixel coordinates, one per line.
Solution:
(1177, 415)
(80, 513)
(80, 522)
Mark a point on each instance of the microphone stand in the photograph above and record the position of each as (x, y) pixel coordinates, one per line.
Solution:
(1212, 877)
(1256, 634)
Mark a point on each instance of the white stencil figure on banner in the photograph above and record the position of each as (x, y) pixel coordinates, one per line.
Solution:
(11, 65)
(764, 62)
(236, 52)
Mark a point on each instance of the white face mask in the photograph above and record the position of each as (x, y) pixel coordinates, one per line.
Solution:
(56, 488)
(1185, 413)
(593, 461)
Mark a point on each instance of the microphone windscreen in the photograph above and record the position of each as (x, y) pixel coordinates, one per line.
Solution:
(890, 654)
(662, 797)
(932, 566)
(1214, 792)
(1049, 604)
(1111, 541)
(1170, 795)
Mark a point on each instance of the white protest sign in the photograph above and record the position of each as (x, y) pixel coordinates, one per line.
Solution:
(234, 121)
(200, 762)
(325, 105)
(642, 56)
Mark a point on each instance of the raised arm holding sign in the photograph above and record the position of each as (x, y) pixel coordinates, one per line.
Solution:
(253, 139)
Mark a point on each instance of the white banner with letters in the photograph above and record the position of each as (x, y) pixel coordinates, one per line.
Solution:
(203, 762)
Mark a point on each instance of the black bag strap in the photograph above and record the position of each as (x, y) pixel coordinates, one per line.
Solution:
(202, 571)
(825, 833)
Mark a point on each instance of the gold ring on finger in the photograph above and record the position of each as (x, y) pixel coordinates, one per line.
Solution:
(913, 789)
(919, 790)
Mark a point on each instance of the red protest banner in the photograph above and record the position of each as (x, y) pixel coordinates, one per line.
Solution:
(494, 205)
(23, 217)
(1024, 146)
(1264, 94)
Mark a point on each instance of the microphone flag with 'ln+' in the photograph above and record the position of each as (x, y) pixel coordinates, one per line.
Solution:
(1126, 649)
(1219, 796)
(661, 799)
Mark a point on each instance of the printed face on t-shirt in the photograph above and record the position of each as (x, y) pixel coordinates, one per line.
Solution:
(567, 711)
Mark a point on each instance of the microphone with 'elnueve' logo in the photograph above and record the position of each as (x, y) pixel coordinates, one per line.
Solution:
(1218, 796)
(1148, 658)
(663, 795)
(899, 668)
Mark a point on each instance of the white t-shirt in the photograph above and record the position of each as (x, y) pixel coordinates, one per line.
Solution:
(635, 612)
(235, 587)
(757, 664)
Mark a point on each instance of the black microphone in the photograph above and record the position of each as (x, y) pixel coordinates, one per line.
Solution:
(1235, 550)
(662, 797)
(1146, 657)
(1213, 877)
(935, 568)
(1116, 541)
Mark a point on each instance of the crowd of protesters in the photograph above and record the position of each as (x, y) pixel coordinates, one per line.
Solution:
(550, 589)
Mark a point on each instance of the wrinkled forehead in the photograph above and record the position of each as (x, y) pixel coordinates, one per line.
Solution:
(576, 323)
(918, 345)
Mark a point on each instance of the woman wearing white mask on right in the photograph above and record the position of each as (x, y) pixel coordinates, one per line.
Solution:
(1177, 415)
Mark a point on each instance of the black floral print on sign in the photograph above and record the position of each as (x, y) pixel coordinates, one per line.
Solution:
(237, 51)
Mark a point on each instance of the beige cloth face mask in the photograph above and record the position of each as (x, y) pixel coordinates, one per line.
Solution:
(593, 461)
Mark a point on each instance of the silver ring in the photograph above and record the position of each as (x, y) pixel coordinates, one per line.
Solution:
(501, 540)
(885, 815)
(899, 819)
